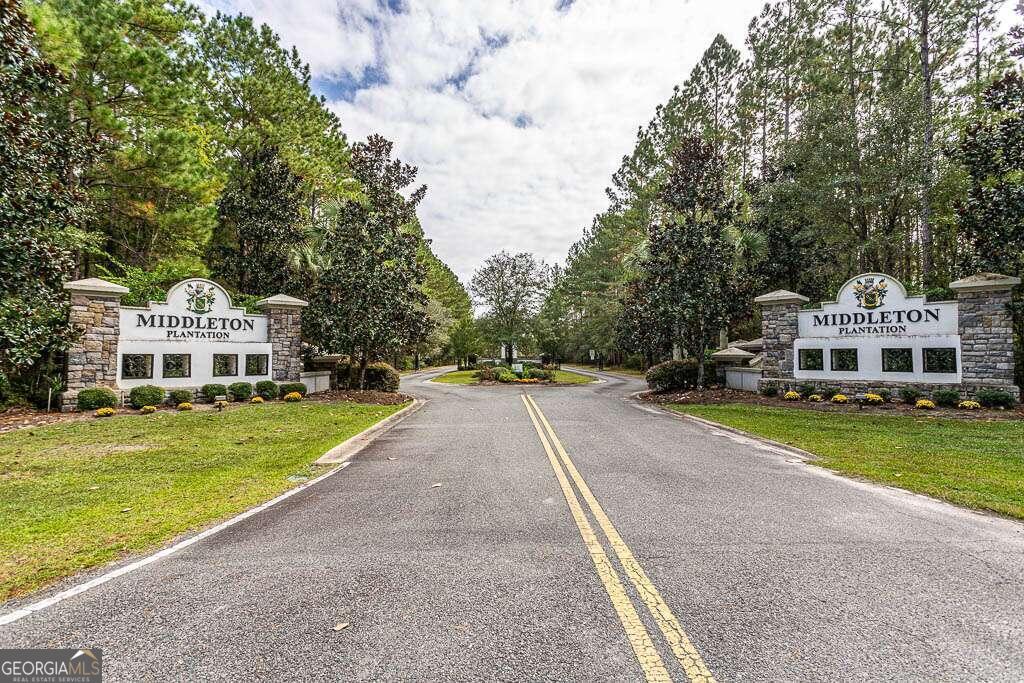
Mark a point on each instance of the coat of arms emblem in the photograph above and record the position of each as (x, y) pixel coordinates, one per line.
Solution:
(870, 294)
(199, 298)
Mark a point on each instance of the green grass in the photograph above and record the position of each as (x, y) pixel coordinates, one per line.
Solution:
(467, 377)
(977, 464)
(79, 494)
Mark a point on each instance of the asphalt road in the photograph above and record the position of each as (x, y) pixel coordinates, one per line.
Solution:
(705, 554)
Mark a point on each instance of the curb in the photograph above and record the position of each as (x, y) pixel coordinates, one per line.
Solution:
(352, 445)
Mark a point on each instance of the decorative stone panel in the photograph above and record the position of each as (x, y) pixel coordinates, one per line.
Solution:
(95, 315)
(284, 328)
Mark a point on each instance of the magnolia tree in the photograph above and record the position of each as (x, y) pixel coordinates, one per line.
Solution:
(512, 289)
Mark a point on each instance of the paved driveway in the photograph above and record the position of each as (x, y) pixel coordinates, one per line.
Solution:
(574, 536)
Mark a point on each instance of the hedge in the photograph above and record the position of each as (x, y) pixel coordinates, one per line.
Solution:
(98, 397)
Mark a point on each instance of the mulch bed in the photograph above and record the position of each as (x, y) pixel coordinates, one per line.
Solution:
(19, 418)
(718, 396)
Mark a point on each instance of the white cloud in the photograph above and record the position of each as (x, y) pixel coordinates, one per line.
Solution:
(577, 81)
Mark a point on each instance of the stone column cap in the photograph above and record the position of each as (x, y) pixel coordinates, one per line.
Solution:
(732, 354)
(985, 282)
(96, 287)
(781, 296)
(282, 301)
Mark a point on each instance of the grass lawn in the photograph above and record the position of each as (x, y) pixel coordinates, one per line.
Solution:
(978, 464)
(79, 494)
(467, 377)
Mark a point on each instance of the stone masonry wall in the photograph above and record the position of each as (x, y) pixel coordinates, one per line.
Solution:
(92, 359)
(986, 338)
(779, 328)
(285, 331)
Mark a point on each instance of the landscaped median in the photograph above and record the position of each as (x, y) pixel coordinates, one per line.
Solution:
(974, 463)
(473, 377)
(78, 494)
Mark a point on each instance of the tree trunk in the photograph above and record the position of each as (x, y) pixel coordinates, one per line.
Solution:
(362, 371)
(415, 360)
(928, 139)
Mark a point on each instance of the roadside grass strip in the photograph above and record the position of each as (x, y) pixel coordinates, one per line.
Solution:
(974, 463)
(646, 652)
(77, 495)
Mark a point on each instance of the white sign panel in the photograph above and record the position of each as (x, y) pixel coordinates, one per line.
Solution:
(875, 331)
(196, 337)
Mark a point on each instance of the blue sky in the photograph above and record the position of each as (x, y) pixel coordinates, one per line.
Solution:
(516, 112)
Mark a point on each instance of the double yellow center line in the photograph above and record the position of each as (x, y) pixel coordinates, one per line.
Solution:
(646, 653)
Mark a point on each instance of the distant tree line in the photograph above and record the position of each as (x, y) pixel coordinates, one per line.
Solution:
(854, 135)
(144, 142)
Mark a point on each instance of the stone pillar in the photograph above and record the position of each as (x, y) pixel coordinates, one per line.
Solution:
(986, 331)
(779, 328)
(96, 317)
(284, 329)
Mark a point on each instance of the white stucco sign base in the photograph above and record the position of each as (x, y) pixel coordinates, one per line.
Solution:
(196, 337)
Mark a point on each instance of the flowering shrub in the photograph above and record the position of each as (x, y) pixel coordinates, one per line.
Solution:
(527, 380)
(147, 410)
(924, 404)
(970, 405)
(256, 399)
(220, 405)
(874, 400)
(840, 398)
(791, 396)
(185, 406)
(293, 397)
(815, 398)
(104, 412)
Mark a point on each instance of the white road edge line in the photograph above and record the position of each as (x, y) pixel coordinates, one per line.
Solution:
(181, 545)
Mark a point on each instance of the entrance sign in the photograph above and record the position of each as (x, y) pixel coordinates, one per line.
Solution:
(196, 337)
(874, 330)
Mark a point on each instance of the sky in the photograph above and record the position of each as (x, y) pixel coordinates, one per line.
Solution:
(517, 112)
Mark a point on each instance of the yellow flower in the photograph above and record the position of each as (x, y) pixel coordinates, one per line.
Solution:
(840, 398)
(873, 399)
(924, 404)
(791, 396)
(970, 405)
(256, 399)
(185, 406)
(105, 412)
(814, 398)
(293, 397)
(146, 410)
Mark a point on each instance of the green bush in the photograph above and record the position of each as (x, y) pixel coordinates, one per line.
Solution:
(995, 398)
(909, 395)
(267, 389)
(885, 394)
(538, 373)
(212, 391)
(947, 398)
(98, 397)
(806, 390)
(487, 374)
(673, 375)
(504, 375)
(146, 395)
(828, 392)
(179, 396)
(240, 391)
(290, 387)
(381, 377)
(769, 390)
(634, 362)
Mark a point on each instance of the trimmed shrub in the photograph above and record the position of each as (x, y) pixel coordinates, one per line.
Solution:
(995, 398)
(185, 406)
(98, 397)
(673, 375)
(240, 391)
(212, 391)
(806, 390)
(946, 398)
(909, 395)
(829, 392)
(293, 388)
(504, 375)
(267, 389)
(105, 412)
(178, 396)
(769, 390)
(147, 410)
(924, 404)
(146, 395)
(539, 374)
(381, 377)
(885, 394)
(292, 397)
